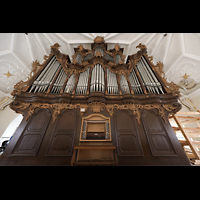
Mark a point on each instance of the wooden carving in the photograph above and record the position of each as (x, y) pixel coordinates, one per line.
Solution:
(96, 107)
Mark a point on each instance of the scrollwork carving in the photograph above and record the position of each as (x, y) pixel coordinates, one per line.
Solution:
(96, 107)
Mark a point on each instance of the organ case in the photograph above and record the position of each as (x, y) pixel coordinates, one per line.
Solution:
(131, 102)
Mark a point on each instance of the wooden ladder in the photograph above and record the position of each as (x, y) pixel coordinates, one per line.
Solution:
(187, 123)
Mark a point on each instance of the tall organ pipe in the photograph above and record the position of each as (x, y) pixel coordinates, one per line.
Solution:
(136, 87)
(146, 78)
(70, 84)
(83, 82)
(41, 79)
(97, 79)
(124, 85)
(112, 82)
(157, 83)
(153, 84)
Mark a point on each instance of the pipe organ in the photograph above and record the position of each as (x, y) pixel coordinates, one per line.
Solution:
(52, 78)
(95, 110)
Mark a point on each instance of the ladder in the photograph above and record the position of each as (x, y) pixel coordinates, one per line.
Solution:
(187, 129)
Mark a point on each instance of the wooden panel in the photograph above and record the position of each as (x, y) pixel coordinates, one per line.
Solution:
(63, 135)
(157, 136)
(96, 127)
(31, 138)
(127, 135)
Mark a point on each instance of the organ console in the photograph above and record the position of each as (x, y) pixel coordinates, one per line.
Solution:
(126, 105)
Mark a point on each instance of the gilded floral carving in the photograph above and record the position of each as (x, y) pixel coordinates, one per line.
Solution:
(96, 107)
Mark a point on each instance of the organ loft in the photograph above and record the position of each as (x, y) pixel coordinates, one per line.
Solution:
(95, 109)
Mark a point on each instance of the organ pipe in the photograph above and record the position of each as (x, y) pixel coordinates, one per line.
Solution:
(141, 80)
(135, 84)
(148, 77)
(97, 79)
(112, 86)
(124, 85)
(83, 82)
(156, 82)
(70, 84)
(44, 80)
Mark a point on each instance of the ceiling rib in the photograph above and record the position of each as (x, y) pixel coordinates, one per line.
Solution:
(4, 52)
(192, 56)
(29, 47)
(12, 42)
(173, 64)
(48, 38)
(88, 36)
(133, 40)
(39, 42)
(168, 44)
(92, 34)
(67, 43)
(111, 35)
(105, 35)
(182, 43)
(22, 63)
(157, 44)
(150, 38)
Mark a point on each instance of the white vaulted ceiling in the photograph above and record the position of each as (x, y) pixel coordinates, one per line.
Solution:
(180, 52)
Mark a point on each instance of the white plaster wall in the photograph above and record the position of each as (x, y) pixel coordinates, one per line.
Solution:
(6, 117)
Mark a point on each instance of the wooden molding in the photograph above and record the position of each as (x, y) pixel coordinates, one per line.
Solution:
(96, 107)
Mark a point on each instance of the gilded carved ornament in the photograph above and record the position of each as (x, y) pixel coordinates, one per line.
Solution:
(99, 39)
(96, 107)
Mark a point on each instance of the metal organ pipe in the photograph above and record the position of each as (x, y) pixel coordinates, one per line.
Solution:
(145, 78)
(149, 79)
(157, 83)
(83, 82)
(135, 84)
(124, 85)
(45, 79)
(152, 83)
(70, 84)
(99, 49)
(97, 82)
(97, 79)
(112, 83)
(51, 76)
(59, 82)
(43, 73)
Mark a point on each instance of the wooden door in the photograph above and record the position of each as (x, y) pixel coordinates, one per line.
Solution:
(128, 140)
(62, 139)
(31, 138)
(157, 135)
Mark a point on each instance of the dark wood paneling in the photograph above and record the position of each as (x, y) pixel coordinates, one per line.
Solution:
(128, 140)
(157, 136)
(31, 138)
(63, 135)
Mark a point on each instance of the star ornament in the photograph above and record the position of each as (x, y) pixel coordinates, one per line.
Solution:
(185, 76)
(8, 74)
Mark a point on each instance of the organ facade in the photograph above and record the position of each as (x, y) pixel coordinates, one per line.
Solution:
(95, 110)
